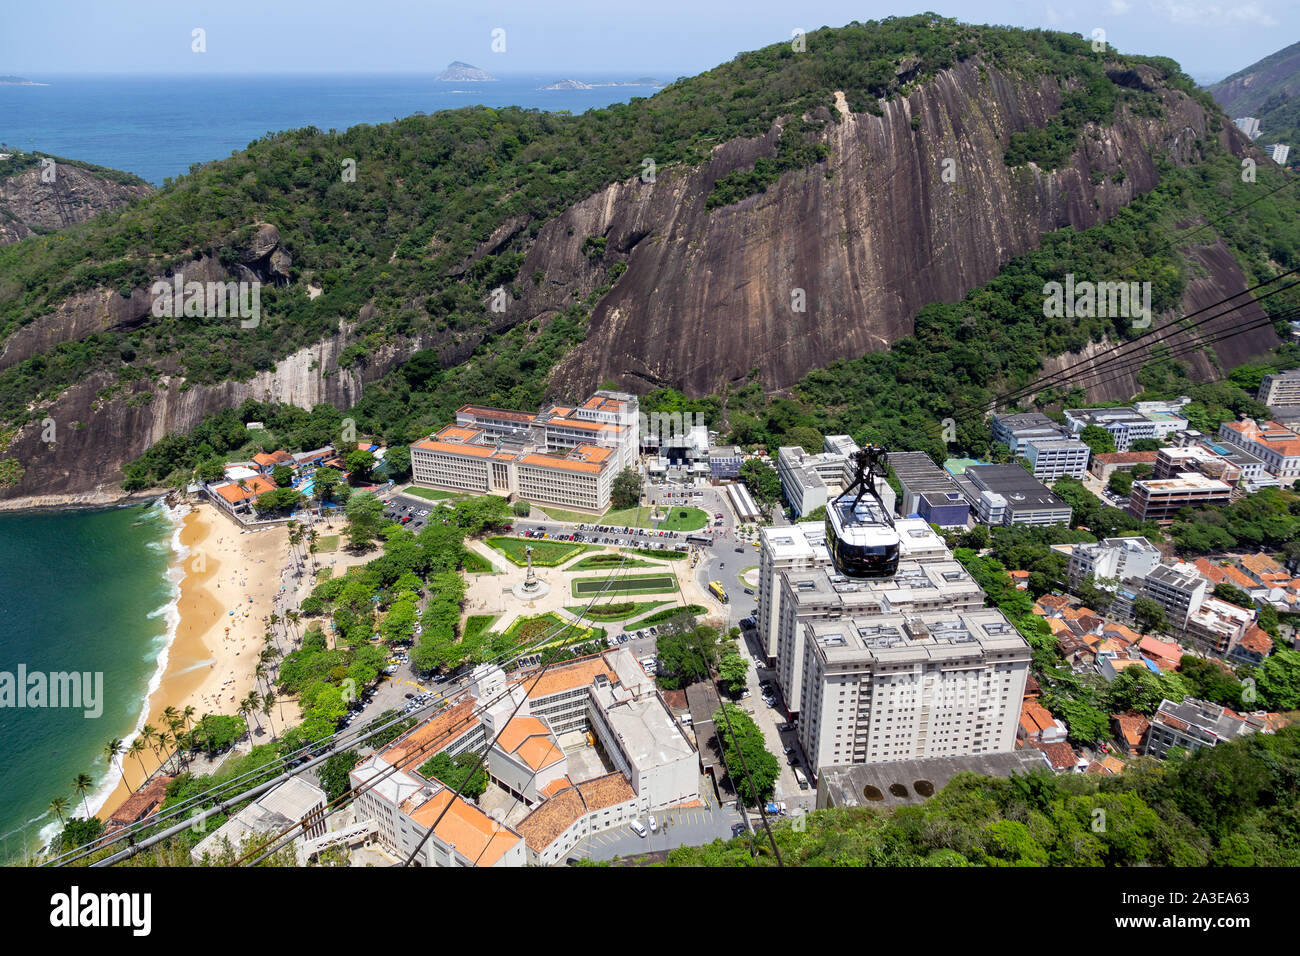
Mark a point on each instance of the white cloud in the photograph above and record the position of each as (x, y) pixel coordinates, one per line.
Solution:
(1120, 7)
(1208, 13)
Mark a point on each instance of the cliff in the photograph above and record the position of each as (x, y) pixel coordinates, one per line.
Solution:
(29, 204)
(870, 236)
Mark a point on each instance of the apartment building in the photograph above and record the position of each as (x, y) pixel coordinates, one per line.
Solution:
(1051, 449)
(1248, 125)
(900, 687)
(1226, 463)
(1160, 499)
(1107, 463)
(1179, 588)
(1278, 152)
(810, 481)
(1007, 495)
(1276, 446)
(1280, 388)
(1052, 458)
(802, 547)
(1126, 425)
(1194, 724)
(929, 491)
(1115, 559)
(823, 594)
(1216, 625)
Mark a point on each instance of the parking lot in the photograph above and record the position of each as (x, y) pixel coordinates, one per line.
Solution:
(694, 826)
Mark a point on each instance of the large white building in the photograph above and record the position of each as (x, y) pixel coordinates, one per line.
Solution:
(1278, 447)
(802, 547)
(1050, 448)
(898, 687)
(809, 481)
(1114, 559)
(563, 456)
(822, 594)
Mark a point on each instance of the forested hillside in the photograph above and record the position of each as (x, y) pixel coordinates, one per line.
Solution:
(1237, 804)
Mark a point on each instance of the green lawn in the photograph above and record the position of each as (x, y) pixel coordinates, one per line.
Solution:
(527, 631)
(324, 574)
(607, 562)
(679, 518)
(631, 584)
(326, 543)
(668, 612)
(621, 614)
(435, 494)
(661, 555)
(476, 624)
(546, 554)
(559, 514)
(477, 563)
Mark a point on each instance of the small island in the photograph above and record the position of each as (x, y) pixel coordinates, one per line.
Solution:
(458, 72)
(19, 81)
(579, 85)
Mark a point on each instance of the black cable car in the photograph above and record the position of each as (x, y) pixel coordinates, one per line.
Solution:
(860, 532)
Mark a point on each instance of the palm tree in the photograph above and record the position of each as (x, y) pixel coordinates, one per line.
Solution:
(294, 617)
(187, 715)
(268, 701)
(164, 741)
(111, 750)
(81, 783)
(136, 749)
(250, 704)
(170, 714)
(177, 728)
(59, 806)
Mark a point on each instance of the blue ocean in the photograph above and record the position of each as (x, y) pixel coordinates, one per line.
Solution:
(158, 126)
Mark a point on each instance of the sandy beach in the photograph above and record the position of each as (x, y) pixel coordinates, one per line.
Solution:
(212, 660)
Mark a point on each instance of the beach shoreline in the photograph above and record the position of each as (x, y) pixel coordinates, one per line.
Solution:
(229, 582)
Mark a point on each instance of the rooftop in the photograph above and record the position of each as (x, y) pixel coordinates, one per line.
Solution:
(474, 834)
(902, 782)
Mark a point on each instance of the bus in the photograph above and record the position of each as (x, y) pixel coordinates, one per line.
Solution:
(718, 591)
(699, 539)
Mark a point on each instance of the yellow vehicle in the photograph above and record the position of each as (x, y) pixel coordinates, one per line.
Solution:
(718, 591)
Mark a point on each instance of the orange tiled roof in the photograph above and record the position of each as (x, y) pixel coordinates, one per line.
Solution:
(474, 834)
(257, 485)
(459, 433)
(562, 464)
(487, 411)
(1166, 650)
(547, 821)
(570, 676)
(1060, 755)
(454, 448)
(1035, 718)
(1054, 601)
(1132, 727)
(1126, 457)
(1121, 632)
(436, 734)
(530, 740)
(1257, 640)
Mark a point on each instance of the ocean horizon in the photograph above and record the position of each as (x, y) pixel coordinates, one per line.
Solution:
(157, 126)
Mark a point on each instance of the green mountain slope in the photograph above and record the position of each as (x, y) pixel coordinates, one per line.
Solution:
(1270, 91)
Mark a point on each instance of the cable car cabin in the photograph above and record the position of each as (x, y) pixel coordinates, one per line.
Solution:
(861, 538)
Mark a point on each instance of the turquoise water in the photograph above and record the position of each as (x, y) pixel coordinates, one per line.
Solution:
(87, 591)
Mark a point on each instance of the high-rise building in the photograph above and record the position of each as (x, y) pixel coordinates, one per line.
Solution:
(895, 687)
(1160, 499)
(823, 594)
(1278, 152)
(802, 547)
(1280, 388)
(1248, 125)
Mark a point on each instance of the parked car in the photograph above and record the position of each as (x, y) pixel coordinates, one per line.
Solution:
(637, 827)
(654, 824)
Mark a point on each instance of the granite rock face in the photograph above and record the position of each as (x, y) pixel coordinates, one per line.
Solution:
(29, 204)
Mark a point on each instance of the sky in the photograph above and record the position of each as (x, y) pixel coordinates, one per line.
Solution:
(664, 38)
